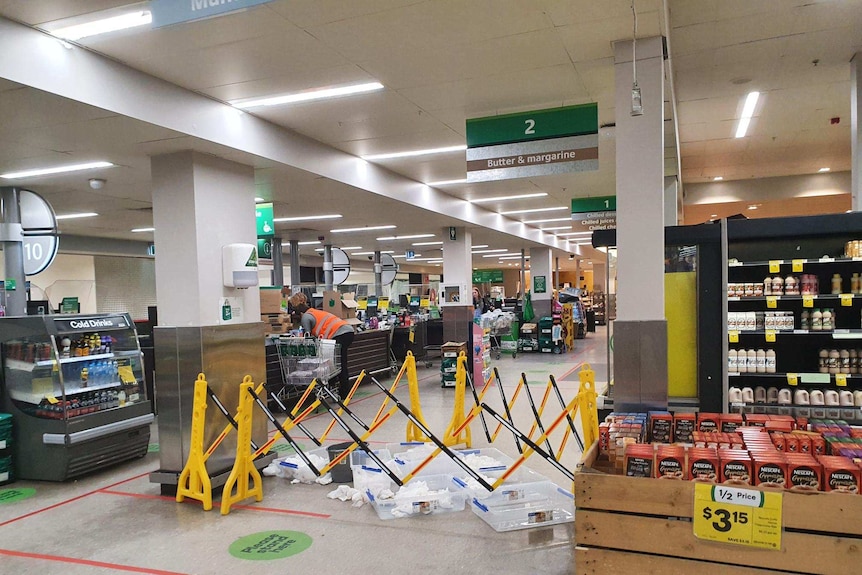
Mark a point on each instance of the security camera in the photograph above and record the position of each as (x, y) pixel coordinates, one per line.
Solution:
(571, 256)
(96, 183)
(370, 257)
(320, 238)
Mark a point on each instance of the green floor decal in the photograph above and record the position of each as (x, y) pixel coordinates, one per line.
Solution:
(153, 448)
(267, 545)
(279, 447)
(14, 495)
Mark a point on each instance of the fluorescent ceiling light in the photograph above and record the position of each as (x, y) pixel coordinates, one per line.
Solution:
(752, 207)
(308, 96)
(311, 243)
(556, 228)
(258, 199)
(56, 170)
(144, 230)
(447, 182)
(533, 210)
(103, 26)
(747, 112)
(490, 251)
(575, 234)
(479, 247)
(500, 255)
(308, 218)
(371, 253)
(547, 220)
(365, 229)
(823, 170)
(717, 179)
(503, 198)
(352, 248)
(415, 153)
(713, 215)
(75, 216)
(415, 256)
(427, 244)
(410, 237)
(512, 258)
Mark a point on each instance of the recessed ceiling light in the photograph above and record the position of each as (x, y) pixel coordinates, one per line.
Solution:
(823, 170)
(713, 215)
(55, 170)
(717, 178)
(504, 198)
(371, 253)
(75, 216)
(258, 199)
(479, 247)
(427, 244)
(533, 210)
(552, 228)
(409, 237)
(547, 220)
(318, 249)
(576, 234)
(352, 248)
(411, 153)
(501, 255)
(308, 218)
(447, 182)
(511, 257)
(309, 243)
(363, 229)
(103, 26)
(489, 251)
(307, 96)
(415, 256)
(136, 230)
(747, 113)
(752, 207)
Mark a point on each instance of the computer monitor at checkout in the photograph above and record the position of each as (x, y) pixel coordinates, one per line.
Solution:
(371, 305)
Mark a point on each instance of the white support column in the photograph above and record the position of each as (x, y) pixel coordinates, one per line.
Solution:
(640, 330)
(541, 276)
(200, 203)
(856, 129)
(457, 276)
(671, 201)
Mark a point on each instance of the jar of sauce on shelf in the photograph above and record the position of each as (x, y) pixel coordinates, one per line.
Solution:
(791, 285)
(767, 285)
(816, 320)
(836, 283)
(777, 286)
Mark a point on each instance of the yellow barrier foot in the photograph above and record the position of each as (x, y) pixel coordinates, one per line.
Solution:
(194, 481)
(413, 431)
(244, 480)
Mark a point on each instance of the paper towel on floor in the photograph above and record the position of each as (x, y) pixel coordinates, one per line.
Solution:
(416, 498)
(293, 467)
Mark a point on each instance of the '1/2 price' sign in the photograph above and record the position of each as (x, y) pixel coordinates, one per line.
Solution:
(738, 516)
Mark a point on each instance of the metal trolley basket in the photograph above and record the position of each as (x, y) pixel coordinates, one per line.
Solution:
(301, 361)
(504, 329)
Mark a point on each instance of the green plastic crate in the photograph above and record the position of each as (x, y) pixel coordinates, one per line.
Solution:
(6, 475)
(5, 430)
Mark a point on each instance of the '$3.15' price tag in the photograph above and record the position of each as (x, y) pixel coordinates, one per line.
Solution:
(738, 516)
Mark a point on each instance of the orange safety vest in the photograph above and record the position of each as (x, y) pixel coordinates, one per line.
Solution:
(325, 323)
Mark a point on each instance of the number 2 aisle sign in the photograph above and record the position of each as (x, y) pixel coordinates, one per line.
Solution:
(738, 516)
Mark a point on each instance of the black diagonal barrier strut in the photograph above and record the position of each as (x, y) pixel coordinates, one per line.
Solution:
(568, 415)
(358, 440)
(292, 420)
(476, 402)
(529, 442)
(536, 412)
(283, 432)
(413, 419)
(220, 406)
(506, 407)
(334, 399)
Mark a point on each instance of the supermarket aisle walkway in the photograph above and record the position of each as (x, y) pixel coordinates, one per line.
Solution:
(118, 522)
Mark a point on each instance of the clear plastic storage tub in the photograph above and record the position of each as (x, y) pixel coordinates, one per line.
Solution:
(408, 455)
(367, 474)
(427, 495)
(526, 505)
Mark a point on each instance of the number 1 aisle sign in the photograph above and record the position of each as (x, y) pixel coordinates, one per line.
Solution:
(738, 516)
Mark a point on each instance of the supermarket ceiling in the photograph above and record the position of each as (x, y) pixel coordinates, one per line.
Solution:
(440, 62)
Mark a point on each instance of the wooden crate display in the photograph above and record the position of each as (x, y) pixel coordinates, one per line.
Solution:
(644, 526)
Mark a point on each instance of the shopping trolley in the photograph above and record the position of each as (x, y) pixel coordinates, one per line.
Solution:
(301, 360)
(504, 330)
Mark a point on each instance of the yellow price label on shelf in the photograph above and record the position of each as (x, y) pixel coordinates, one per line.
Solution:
(733, 336)
(774, 266)
(808, 301)
(772, 301)
(847, 299)
(841, 379)
(126, 374)
(797, 265)
(52, 400)
(770, 336)
(411, 336)
(738, 516)
(362, 304)
(792, 379)
(425, 302)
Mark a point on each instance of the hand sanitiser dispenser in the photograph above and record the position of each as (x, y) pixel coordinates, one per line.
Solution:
(239, 265)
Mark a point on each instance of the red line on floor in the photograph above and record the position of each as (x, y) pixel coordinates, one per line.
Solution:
(89, 563)
(215, 504)
(571, 371)
(76, 498)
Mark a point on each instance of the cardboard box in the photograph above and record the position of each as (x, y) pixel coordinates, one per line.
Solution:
(453, 348)
(270, 300)
(342, 306)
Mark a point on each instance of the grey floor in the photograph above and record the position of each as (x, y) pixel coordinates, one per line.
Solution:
(116, 521)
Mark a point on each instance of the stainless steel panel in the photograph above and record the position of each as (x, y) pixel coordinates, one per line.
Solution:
(640, 365)
(225, 354)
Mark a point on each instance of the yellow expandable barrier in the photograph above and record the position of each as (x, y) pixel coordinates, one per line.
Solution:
(194, 481)
(244, 476)
(413, 431)
(457, 433)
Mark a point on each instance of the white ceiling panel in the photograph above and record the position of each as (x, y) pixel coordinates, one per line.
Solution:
(586, 41)
(308, 13)
(296, 81)
(566, 12)
(812, 17)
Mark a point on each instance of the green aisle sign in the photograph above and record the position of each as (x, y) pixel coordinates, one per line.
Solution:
(598, 204)
(263, 214)
(539, 285)
(536, 125)
(591, 214)
(264, 248)
(487, 276)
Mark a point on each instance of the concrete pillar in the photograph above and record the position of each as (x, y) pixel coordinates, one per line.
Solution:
(641, 329)
(856, 129)
(457, 279)
(277, 263)
(378, 275)
(671, 201)
(13, 252)
(522, 288)
(541, 278)
(294, 266)
(327, 267)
